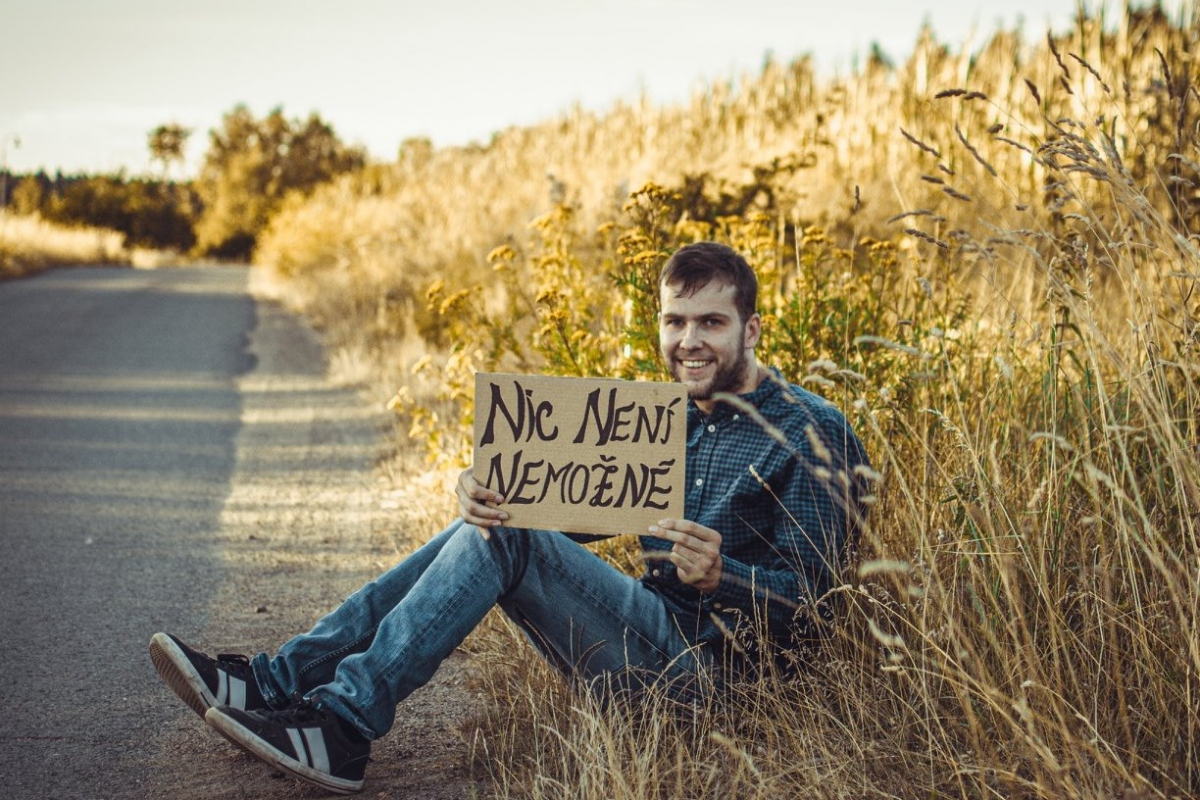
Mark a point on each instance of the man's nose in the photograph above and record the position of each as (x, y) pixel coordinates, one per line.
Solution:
(691, 337)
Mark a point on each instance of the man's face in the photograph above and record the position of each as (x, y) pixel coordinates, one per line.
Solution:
(704, 343)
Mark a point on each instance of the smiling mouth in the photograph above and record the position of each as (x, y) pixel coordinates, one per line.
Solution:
(693, 364)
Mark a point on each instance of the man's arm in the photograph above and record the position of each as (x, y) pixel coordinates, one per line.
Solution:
(811, 522)
(696, 554)
(814, 516)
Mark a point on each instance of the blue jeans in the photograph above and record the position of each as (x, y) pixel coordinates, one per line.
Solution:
(386, 640)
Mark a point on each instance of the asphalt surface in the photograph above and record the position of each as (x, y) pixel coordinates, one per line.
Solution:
(119, 410)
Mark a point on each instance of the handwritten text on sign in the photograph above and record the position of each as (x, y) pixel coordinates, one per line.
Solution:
(587, 455)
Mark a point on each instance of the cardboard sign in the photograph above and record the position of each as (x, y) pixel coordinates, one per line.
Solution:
(585, 455)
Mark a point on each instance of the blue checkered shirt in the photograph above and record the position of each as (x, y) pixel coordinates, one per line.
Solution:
(787, 514)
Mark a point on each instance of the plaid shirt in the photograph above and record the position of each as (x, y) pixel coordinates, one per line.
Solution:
(786, 514)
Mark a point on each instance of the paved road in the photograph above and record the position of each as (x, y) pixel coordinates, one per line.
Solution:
(118, 415)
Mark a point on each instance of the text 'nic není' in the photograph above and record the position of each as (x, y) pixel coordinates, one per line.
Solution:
(604, 420)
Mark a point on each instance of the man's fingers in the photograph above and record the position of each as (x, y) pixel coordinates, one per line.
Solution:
(697, 561)
(680, 530)
(683, 565)
(484, 495)
(696, 547)
(695, 552)
(683, 559)
(473, 503)
(689, 527)
(473, 513)
(686, 542)
(477, 513)
(667, 555)
(468, 487)
(690, 568)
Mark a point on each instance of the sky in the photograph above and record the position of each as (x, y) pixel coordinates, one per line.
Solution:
(82, 82)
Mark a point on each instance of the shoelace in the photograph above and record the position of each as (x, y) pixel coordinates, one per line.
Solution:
(234, 660)
(300, 714)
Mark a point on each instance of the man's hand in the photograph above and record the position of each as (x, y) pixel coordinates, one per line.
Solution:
(473, 501)
(695, 552)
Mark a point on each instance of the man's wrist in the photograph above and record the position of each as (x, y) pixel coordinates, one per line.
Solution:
(734, 576)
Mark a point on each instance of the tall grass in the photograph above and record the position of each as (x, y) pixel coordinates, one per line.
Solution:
(987, 259)
(29, 244)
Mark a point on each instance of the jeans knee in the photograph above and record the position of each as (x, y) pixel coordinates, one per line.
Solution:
(511, 547)
(513, 541)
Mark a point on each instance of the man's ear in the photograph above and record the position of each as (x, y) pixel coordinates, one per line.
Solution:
(752, 331)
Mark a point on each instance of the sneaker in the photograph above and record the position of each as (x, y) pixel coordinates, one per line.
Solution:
(306, 742)
(203, 682)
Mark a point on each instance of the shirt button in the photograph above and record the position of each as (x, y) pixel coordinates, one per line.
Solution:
(699, 481)
(712, 428)
(656, 572)
(717, 606)
(736, 417)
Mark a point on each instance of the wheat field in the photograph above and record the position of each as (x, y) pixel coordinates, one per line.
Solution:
(988, 259)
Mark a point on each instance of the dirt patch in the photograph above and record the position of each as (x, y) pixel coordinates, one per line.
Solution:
(308, 520)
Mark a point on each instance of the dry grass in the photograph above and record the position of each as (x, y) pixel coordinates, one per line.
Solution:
(29, 244)
(988, 260)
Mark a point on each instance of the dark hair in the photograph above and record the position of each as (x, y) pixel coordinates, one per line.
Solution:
(694, 265)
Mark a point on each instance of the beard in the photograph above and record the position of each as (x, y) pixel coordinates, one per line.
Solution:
(728, 377)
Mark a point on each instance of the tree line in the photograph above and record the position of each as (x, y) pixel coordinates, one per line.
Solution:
(251, 165)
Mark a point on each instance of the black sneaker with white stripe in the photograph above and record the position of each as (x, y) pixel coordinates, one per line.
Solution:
(306, 742)
(203, 682)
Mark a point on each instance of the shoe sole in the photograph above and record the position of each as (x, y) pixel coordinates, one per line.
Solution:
(179, 675)
(243, 737)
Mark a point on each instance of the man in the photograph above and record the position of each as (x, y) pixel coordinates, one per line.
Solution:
(768, 525)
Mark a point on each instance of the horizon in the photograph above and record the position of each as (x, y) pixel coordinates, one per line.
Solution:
(456, 73)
